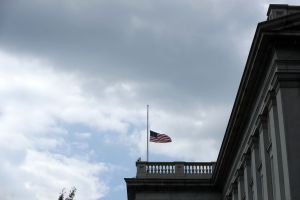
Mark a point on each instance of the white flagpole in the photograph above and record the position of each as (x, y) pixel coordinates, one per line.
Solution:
(147, 133)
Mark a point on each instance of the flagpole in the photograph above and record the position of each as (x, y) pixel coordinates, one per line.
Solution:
(147, 133)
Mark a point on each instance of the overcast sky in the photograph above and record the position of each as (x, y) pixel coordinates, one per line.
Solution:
(76, 76)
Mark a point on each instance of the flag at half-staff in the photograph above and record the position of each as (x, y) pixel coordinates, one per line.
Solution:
(159, 137)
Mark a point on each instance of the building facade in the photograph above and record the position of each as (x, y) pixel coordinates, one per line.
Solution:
(259, 157)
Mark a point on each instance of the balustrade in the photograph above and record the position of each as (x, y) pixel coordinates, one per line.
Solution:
(174, 169)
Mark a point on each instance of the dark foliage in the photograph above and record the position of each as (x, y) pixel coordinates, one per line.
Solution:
(71, 195)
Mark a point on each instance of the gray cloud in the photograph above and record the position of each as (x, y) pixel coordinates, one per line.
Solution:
(190, 51)
(182, 58)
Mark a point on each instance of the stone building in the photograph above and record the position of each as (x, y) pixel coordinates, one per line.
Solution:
(259, 157)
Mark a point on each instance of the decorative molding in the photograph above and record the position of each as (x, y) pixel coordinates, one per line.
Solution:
(243, 196)
(240, 172)
(228, 197)
(261, 121)
(286, 75)
(270, 99)
(269, 147)
(253, 141)
(251, 182)
(259, 166)
(246, 159)
(233, 187)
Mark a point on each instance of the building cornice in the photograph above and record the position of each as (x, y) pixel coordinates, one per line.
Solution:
(268, 34)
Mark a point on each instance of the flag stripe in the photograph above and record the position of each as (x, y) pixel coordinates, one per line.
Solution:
(159, 138)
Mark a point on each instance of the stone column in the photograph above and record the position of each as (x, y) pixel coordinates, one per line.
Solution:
(255, 162)
(264, 145)
(240, 184)
(234, 191)
(276, 159)
(247, 175)
(287, 91)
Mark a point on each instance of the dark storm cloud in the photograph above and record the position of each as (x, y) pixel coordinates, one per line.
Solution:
(191, 51)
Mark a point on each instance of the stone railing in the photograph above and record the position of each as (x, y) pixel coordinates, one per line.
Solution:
(197, 170)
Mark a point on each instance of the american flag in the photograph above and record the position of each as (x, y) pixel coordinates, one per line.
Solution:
(159, 138)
